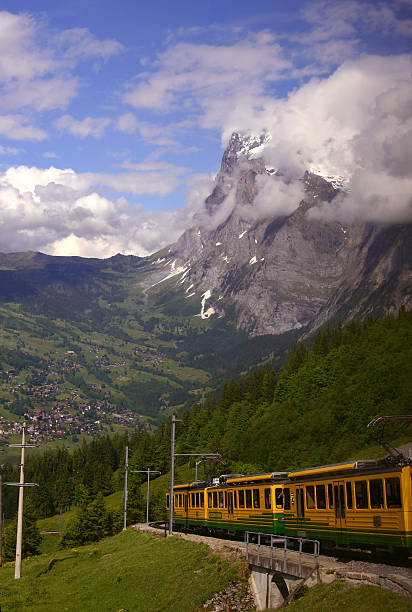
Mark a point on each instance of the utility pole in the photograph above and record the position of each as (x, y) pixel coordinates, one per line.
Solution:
(196, 466)
(172, 467)
(1, 520)
(21, 484)
(126, 466)
(17, 567)
(172, 472)
(148, 472)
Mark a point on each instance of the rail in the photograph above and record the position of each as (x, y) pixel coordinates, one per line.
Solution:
(266, 543)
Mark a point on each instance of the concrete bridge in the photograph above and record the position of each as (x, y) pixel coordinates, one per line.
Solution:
(274, 583)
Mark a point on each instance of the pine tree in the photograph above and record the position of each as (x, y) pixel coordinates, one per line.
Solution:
(31, 537)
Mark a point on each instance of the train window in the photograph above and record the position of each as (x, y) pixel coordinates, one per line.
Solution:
(349, 500)
(235, 498)
(225, 499)
(279, 498)
(241, 499)
(220, 499)
(361, 494)
(197, 500)
(215, 499)
(202, 500)
(310, 497)
(256, 498)
(194, 500)
(248, 498)
(209, 500)
(300, 503)
(376, 493)
(268, 505)
(393, 493)
(330, 495)
(286, 494)
(321, 497)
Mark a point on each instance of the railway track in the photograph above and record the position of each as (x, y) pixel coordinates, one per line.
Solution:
(358, 560)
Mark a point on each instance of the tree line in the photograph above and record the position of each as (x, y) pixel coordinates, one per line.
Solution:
(314, 411)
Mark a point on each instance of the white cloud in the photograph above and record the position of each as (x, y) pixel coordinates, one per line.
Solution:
(89, 126)
(79, 44)
(56, 212)
(36, 64)
(18, 127)
(127, 123)
(50, 155)
(192, 75)
(39, 94)
(356, 123)
(8, 150)
(275, 197)
(20, 56)
(28, 180)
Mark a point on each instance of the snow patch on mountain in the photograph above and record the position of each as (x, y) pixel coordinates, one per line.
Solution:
(175, 272)
(252, 146)
(337, 181)
(206, 314)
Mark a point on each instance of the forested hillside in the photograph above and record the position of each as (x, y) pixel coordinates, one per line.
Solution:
(315, 411)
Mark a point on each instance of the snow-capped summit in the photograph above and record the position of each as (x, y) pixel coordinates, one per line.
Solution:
(337, 181)
(273, 274)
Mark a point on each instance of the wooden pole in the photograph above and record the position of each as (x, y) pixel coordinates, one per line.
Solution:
(1, 520)
(17, 567)
(126, 466)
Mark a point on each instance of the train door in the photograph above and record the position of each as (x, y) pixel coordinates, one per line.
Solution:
(340, 509)
(186, 508)
(300, 504)
(230, 504)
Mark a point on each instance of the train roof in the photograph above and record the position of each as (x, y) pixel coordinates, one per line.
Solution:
(347, 466)
(271, 476)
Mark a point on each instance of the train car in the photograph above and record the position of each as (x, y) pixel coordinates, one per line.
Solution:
(232, 503)
(247, 503)
(353, 504)
(189, 508)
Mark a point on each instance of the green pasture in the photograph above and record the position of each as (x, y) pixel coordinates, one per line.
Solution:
(340, 596)
(130, 571)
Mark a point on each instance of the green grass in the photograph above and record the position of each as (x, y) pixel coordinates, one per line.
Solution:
(340, 596)
(128, 572)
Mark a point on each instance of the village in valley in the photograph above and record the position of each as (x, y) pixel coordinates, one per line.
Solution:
(51, 410)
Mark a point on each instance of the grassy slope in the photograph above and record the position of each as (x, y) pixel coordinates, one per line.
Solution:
(134, 571)
(340, 596)
(128, 572)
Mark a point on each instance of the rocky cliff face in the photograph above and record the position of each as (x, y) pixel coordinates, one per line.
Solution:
(274, 274)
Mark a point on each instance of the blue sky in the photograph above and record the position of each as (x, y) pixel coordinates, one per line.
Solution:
(114, 115)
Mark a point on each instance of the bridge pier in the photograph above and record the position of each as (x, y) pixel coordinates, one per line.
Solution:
(269, 587)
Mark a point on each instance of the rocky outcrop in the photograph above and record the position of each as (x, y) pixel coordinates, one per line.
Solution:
(287, 272)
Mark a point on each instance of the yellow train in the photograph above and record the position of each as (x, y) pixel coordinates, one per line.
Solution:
(354, 503)
(357, 503)
(232, 503)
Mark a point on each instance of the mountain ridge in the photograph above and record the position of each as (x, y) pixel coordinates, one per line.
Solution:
(235, 290)
(305, 269)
